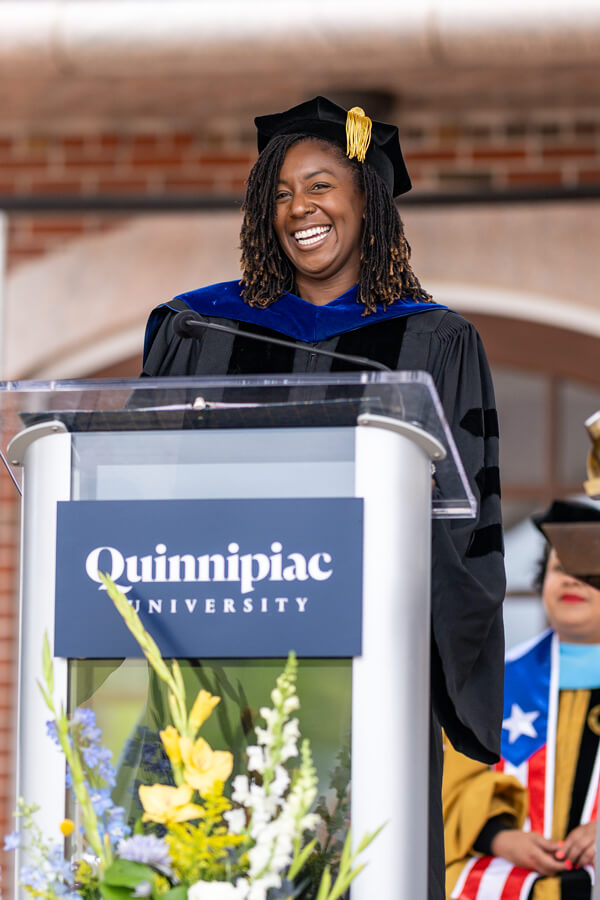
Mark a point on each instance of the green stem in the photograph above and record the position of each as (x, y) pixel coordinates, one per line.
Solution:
(90, 820)
(177, 698)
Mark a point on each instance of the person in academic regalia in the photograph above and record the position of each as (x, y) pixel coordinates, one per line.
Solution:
(526, 828)
(325, 263)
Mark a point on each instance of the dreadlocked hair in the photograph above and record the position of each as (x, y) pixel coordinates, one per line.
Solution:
(385, 271)
(266, 271)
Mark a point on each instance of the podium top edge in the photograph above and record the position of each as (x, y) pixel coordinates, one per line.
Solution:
(166, 382)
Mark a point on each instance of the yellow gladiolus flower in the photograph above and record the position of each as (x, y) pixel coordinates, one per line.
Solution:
(203, 765)
(202, 708)
(67, 827)
(164, 804)
(170, 739)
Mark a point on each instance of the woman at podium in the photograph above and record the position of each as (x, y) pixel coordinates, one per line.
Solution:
(326, 268)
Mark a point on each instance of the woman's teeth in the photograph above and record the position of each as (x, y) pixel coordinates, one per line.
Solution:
(311, 235)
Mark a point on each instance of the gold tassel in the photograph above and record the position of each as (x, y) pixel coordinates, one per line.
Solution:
(358, 133)
(592, 485)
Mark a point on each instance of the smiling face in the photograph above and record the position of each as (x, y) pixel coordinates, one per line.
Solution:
(572, 607)
(319, 210)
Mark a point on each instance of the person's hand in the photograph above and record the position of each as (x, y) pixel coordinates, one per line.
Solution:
(580, 845)
(530, 850)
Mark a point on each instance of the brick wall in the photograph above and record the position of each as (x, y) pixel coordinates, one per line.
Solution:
(109, 164)
(503, 152)
(470, 153)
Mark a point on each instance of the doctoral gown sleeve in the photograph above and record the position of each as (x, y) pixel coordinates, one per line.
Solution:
(165, 353)
(468, 580)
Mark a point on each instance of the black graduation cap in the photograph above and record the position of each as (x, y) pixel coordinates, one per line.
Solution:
(376, 143)
(573, 529)
(566, 512)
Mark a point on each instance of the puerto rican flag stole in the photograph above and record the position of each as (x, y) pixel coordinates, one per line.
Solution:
(528, 753)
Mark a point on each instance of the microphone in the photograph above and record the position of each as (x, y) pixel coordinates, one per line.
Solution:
(187, 323)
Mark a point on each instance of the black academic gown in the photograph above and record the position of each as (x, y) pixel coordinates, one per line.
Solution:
(468, 579)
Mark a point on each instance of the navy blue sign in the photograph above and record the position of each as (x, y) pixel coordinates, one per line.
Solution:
(211, 578)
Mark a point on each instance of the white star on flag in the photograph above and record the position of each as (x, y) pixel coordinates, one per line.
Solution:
(520, 723)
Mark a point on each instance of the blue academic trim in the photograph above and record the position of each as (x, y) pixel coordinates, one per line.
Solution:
(579, 667)
(291, 315)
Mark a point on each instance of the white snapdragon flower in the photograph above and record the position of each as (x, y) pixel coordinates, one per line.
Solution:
(277, 814)
(280, 782)
(236, 820)
(258, 889)
(256, 759)
(269, 715)
(241, 789)
(283, 853)
(264, 736)
(259, 857)
(217, 890)
(310, 822)
(290, 734)
(276, 697)
(291, 704)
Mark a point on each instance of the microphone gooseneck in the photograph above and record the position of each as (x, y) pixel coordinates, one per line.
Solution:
(187, 324)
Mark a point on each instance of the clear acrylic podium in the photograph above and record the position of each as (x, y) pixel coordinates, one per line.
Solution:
(381, 437)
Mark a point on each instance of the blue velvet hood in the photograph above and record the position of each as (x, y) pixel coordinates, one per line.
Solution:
(290, 315)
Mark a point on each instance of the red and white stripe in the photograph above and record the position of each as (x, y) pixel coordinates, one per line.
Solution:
(490, 876)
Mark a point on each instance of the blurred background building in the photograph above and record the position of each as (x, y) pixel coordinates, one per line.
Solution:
(126, 133)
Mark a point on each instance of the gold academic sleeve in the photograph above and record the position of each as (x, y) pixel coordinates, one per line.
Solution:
(473, 793)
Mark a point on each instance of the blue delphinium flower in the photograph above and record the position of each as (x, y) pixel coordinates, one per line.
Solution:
(96, 757)
(86, 718)
(12, 841)
(61, 868)
(100, 799)
(31, 876)
(147, 849)
(105, 768)
(111, 819)
(116, 827)
(50, 874)
(90, 755)
(51, 731)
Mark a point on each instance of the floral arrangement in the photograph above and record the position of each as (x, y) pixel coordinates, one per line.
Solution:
(193, 841)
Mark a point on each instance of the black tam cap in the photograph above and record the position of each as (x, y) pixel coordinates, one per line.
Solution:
(376, 143)
(573, 529)
(566, 512)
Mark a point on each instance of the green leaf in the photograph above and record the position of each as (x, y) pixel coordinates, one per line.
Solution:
(114, 893)
(179, 892)
(138, 828)
(325, 885)
(346, 856)
(178, 677)
(125, 873)
(342, 885)
(367, 840)
(175, 713)
(46, 696)
(47, 664)
(300, 859)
